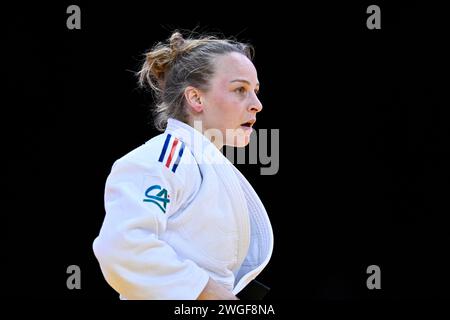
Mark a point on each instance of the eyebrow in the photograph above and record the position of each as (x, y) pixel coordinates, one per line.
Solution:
(243, 80)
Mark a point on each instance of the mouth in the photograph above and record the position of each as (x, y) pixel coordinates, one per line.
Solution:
(249, 124)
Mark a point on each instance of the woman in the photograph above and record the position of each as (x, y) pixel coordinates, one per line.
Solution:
(181, 221)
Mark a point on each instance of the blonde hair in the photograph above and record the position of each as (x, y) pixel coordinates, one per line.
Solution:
(172, 66)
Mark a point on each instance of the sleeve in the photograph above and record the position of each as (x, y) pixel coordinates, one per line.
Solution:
(133, 258)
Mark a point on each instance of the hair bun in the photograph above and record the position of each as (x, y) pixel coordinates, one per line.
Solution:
(159, 60)
(176, 43)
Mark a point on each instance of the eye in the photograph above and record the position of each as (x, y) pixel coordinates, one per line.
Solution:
(240, 90)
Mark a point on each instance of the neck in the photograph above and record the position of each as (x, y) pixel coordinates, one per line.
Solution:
(213, 135)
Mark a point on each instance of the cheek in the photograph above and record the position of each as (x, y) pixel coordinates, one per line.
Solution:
(226, 105)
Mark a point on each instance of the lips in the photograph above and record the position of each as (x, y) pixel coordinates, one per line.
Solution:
(249, 123)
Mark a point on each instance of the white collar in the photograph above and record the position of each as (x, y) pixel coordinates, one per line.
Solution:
(202, 148)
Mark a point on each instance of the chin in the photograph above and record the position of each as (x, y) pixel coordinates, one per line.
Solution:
(242, 144)
(238, 141)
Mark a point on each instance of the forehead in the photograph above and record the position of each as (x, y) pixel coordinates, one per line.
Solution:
(233, 66)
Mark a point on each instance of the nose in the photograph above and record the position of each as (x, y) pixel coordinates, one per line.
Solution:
(256, 105)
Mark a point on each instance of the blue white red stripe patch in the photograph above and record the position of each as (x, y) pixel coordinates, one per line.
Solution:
(172, 152)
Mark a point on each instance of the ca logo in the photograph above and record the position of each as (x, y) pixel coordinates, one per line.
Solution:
(161, 199)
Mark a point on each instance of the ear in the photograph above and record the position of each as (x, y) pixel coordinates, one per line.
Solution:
(193, 97)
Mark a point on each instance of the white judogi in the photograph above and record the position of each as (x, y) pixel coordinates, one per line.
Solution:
(177, 213)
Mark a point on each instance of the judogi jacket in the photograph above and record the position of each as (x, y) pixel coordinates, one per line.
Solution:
(177, 213)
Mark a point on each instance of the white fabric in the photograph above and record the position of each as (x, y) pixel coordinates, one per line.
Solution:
(214, 225)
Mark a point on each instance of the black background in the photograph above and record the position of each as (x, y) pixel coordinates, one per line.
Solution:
(364, 138)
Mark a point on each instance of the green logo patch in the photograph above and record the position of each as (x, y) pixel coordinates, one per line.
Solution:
(157, 195)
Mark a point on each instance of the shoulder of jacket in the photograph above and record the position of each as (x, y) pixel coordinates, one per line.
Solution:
(143, 170)
(164, 155)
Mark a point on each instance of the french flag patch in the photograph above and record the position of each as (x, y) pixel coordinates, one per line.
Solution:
(172, 152)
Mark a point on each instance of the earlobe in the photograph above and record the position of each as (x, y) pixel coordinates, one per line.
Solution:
(193, 98)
